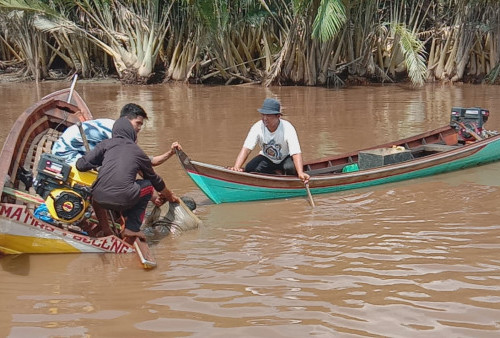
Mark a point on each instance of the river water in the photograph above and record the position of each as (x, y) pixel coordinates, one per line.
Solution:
(413, 259)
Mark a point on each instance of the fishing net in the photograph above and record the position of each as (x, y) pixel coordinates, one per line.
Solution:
(178, 218)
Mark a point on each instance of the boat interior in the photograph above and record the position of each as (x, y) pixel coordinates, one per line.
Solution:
(405, 150)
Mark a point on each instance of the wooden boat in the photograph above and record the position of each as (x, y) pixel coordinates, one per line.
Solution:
(434, 152)
(32, 136)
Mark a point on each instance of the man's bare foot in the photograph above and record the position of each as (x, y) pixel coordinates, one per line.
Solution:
(129, 233)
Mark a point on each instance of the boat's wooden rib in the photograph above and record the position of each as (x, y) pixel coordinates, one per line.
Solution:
(21, 154)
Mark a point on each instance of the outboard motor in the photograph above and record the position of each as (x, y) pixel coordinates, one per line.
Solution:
(66, 191)
(473, 119)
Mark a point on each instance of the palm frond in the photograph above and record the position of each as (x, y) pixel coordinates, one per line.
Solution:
(28, 6)
(494, 75)
(46, 24)
(329, 20)
(413, 52)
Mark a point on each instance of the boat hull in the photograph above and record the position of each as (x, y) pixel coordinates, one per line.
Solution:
(222, 185)
(20, 232)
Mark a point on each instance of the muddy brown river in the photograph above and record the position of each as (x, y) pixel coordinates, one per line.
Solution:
(418, 258)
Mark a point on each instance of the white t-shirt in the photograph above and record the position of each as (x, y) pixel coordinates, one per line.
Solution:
(275, 146)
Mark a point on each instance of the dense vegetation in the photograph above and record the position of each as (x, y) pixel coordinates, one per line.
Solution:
(305, 42)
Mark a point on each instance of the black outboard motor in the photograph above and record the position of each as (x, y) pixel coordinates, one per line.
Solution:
(472, 119)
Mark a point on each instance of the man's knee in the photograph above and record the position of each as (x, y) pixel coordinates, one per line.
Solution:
(289, 167)
(147, 189)
(256, 165)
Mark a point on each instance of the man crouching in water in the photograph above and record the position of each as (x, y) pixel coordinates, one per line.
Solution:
(120, 160)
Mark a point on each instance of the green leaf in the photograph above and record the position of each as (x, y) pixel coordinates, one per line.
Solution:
(329, 20)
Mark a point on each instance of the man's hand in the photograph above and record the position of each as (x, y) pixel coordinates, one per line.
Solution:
(235, 168)
(157, 160)
(164, 196)
(299, 166)
(242, 156)
(174, 199)
(304, 177)
(159, 201)
(175, 146)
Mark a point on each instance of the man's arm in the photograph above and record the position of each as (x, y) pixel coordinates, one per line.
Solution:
(242, 157)
(249, 144)
(299, 166)
(92, 159)
(159, 159)
(294, 147)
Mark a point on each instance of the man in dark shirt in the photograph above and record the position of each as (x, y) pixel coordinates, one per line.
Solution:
(120, 160)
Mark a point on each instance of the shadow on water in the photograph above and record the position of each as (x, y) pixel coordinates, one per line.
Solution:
(16, 264)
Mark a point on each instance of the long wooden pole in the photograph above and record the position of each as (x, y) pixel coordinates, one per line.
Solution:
(72, 88)
(84, 137)
(309, 195)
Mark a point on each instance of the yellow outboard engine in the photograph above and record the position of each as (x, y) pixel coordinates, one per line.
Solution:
(66, 190)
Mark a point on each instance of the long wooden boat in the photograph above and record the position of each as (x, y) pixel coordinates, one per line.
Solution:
(31, 136)
(434, 152)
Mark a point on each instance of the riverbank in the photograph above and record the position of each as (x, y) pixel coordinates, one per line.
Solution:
(11, 75)
(16, 75)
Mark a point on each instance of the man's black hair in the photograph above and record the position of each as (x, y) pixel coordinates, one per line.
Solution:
(132, 110)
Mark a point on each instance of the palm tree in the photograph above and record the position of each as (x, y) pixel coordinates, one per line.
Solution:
(131, 34)
(28, 42)
(465, 40)
(309, 42)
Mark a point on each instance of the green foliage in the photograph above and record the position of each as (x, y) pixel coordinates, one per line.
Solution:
(329, 20)
(413, 51)
(272, 41)
(31, 6)
(494, 75)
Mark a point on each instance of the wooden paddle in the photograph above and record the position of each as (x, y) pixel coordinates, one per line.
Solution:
(309, 195)
(141, 247)
(147, 259)
(84, 137)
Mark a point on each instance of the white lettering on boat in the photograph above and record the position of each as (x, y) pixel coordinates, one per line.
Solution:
(19, 214)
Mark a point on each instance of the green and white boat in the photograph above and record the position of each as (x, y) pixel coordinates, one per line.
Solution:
(461, 144)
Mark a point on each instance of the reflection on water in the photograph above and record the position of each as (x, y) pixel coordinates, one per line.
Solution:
(410, 259)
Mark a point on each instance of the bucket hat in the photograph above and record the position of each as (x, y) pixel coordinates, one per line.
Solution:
(270, 107)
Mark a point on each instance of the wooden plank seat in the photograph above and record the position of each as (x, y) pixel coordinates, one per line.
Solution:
(434, 147)
(327, 170)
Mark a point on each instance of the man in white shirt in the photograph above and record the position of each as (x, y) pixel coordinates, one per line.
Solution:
(280, 148)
